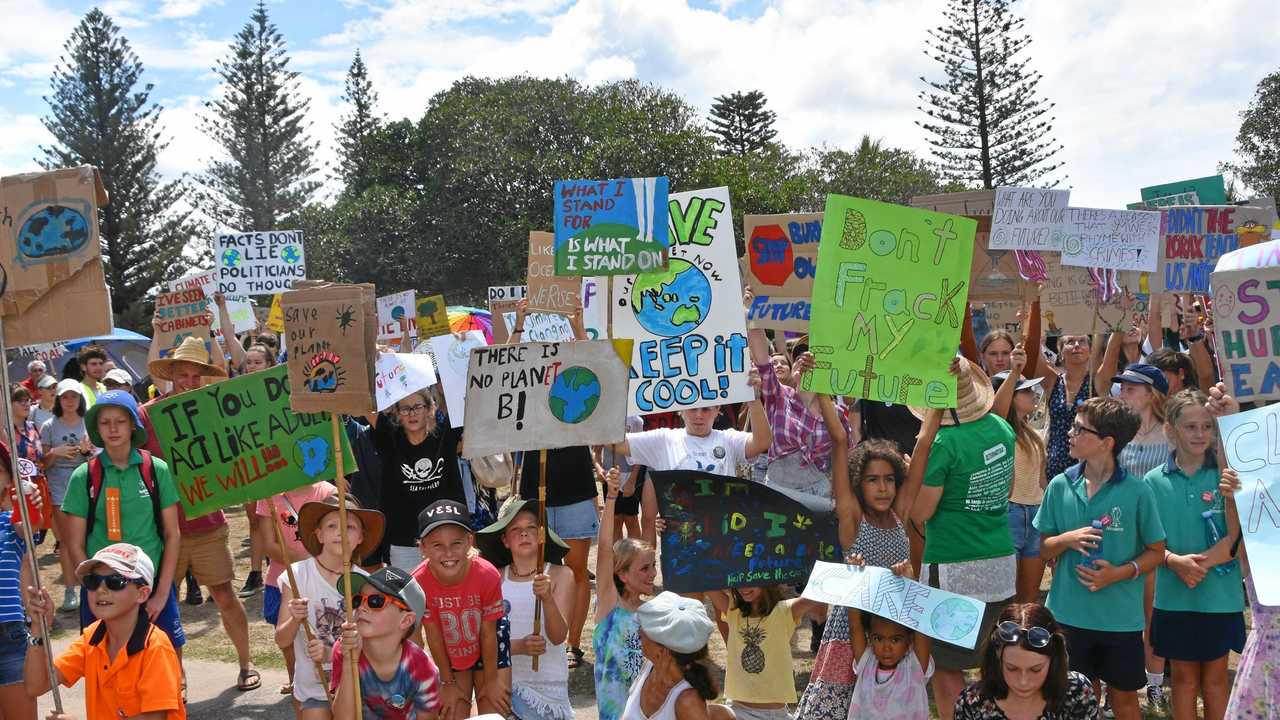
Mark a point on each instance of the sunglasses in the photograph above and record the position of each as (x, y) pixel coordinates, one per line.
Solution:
(114, 582)
(377, 601)
(1077, 428)
(1011, 633)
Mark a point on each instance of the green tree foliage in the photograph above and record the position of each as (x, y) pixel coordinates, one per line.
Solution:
(742, 124)
(360, 122)
(988, 123)
(264, 177)
(100, 114)
(872, 171)
(1258, 142)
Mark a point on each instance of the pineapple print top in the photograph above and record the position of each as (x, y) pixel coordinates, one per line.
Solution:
(758, 667)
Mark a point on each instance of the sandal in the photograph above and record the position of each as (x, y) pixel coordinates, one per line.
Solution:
(574, 658)
(286, 689)
(250, 679)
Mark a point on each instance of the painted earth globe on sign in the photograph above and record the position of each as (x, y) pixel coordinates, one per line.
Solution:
(231, 257)
(51, 231)
(954, 618)
(290, 254)
(311, 453)
(671, 302)
(574, 395)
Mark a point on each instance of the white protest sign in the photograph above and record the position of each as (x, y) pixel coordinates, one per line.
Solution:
(687, 319)
(390, 309)
(535, 396)
(595, 308)
(1250, 441)
(239, 307)
(1028, 219)
(44, 352)
(540, 327)
(1115, 239)
(937, 613)
(399, 374)
(259, 263)
(510, 292)
(451, 357)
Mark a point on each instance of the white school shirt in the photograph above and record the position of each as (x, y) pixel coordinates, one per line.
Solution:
(719, 453)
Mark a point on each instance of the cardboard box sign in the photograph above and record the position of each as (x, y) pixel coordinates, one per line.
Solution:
(55, 288)
(331, 335)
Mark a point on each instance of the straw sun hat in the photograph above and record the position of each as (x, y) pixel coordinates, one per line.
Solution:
(192, 350)
(974, 397)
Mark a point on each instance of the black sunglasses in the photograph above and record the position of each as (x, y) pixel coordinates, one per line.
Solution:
(114, 582)
(1011, 632)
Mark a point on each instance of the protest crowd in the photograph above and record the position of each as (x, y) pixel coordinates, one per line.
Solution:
(990, 458)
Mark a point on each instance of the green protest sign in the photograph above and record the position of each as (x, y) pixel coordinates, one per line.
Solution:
(888, 302)
(237, 441)
(1210, 190)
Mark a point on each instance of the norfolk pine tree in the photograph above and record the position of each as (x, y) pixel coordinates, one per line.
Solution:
(988, 124)
(100, 114)
(357, 126)
(259, 120)
(742, 124)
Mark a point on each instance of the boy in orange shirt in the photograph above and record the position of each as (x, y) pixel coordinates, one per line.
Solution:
(129, 666)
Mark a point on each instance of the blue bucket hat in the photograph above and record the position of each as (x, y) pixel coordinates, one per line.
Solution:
(120, 399)
(1143, 374)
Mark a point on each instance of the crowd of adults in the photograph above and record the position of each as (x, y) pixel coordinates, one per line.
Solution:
(1093, 455)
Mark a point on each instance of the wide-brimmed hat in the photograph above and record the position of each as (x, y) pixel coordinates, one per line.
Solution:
(974, 396)
(191, 350)
(310, 514)
(489, 540)
(120, 399)
(1023, 383)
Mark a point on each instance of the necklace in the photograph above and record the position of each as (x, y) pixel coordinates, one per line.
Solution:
(325, 568)
(512, 572)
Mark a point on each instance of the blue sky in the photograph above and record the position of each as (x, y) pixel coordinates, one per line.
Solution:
(1142, 96)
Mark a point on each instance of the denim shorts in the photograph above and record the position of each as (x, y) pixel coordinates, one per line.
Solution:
(578, 521)
(271, 605)
(168, 620)
(1026, 539)
(13, 651)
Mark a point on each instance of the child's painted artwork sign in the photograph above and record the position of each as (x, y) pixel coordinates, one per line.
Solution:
(330, 336)
(610, 227)
(399, 374)
(780, 264)
(259, 263)
(888, 302)
(1249, 439)
(1195, 237)
(433, 316)
(1246, 321)
(687, 319)
(391, 310)
(181, 314)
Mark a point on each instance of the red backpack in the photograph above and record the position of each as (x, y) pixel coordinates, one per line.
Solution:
(148, 479)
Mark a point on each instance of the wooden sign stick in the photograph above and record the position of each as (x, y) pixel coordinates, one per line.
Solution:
(293, 583)
(340, 476)
(542, 541)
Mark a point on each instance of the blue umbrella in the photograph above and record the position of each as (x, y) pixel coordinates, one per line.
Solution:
(127, 348)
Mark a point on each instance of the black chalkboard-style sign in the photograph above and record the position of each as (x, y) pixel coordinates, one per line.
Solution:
(726, 532)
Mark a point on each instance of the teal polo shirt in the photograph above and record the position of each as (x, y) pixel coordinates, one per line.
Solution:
(1180, 501)
(1127, 508)
(137, 517)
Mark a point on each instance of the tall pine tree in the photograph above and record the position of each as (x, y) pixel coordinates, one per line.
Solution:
(260, 122)
(100, 114)
(742, 124)
(988, 123)
(357, 125)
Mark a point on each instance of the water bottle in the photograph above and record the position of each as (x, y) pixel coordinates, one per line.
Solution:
(1091, 558)
(1213, 537)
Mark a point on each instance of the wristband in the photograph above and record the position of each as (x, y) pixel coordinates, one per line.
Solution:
(1137, 571)
(517, 330)
(35, 641)
(1195, 338)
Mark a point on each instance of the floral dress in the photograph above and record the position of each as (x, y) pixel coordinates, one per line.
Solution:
(830, 688)
(1061, 415)
(1079, 704)
(1256, 693)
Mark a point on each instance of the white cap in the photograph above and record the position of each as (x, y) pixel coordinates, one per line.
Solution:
(69, 385)
(128, 560)
(676, 623)
(119, 376)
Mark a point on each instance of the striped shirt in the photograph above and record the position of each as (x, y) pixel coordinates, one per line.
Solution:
(1138, 459)
(11, 551)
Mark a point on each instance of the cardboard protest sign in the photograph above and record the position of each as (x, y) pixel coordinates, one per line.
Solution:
(1249, 439)
(398, 374)
(547, 291)
(452, 357)
(1246, 320)
(940, 614)
(610, 227)
(725, 532)
(433, 316)
(994, 274)
(595, 307)
(780, 264)
(181, 314)
(687, 320)
(1115, 239)
(238, 440)
(238, 307)
(536, 396)
(1195, 237)
(259, 263)
(391, 308)
(51, 257)
(331, 339)
(1028, 218)
(888, 302)
(1210, 190)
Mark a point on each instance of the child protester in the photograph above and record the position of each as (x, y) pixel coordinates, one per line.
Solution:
(129, 667)
(1198, 617)
(461, 622)
(15, 574)
(759, 673)
(316, 598)
(397, 677)
(893, 666)
(1102, 526)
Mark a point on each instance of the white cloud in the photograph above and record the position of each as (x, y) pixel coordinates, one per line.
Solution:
(184, 8)
(23, 134)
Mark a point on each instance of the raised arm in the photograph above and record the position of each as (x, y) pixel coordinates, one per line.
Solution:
(1004, 396)
(968, 343)
(606, 593)
(848, 510)
(522, 311)
(914, 500)
(233, 347)
(1033, 338)
(1107, 368)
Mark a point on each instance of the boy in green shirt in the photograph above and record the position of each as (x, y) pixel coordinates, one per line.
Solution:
(1102, 526)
